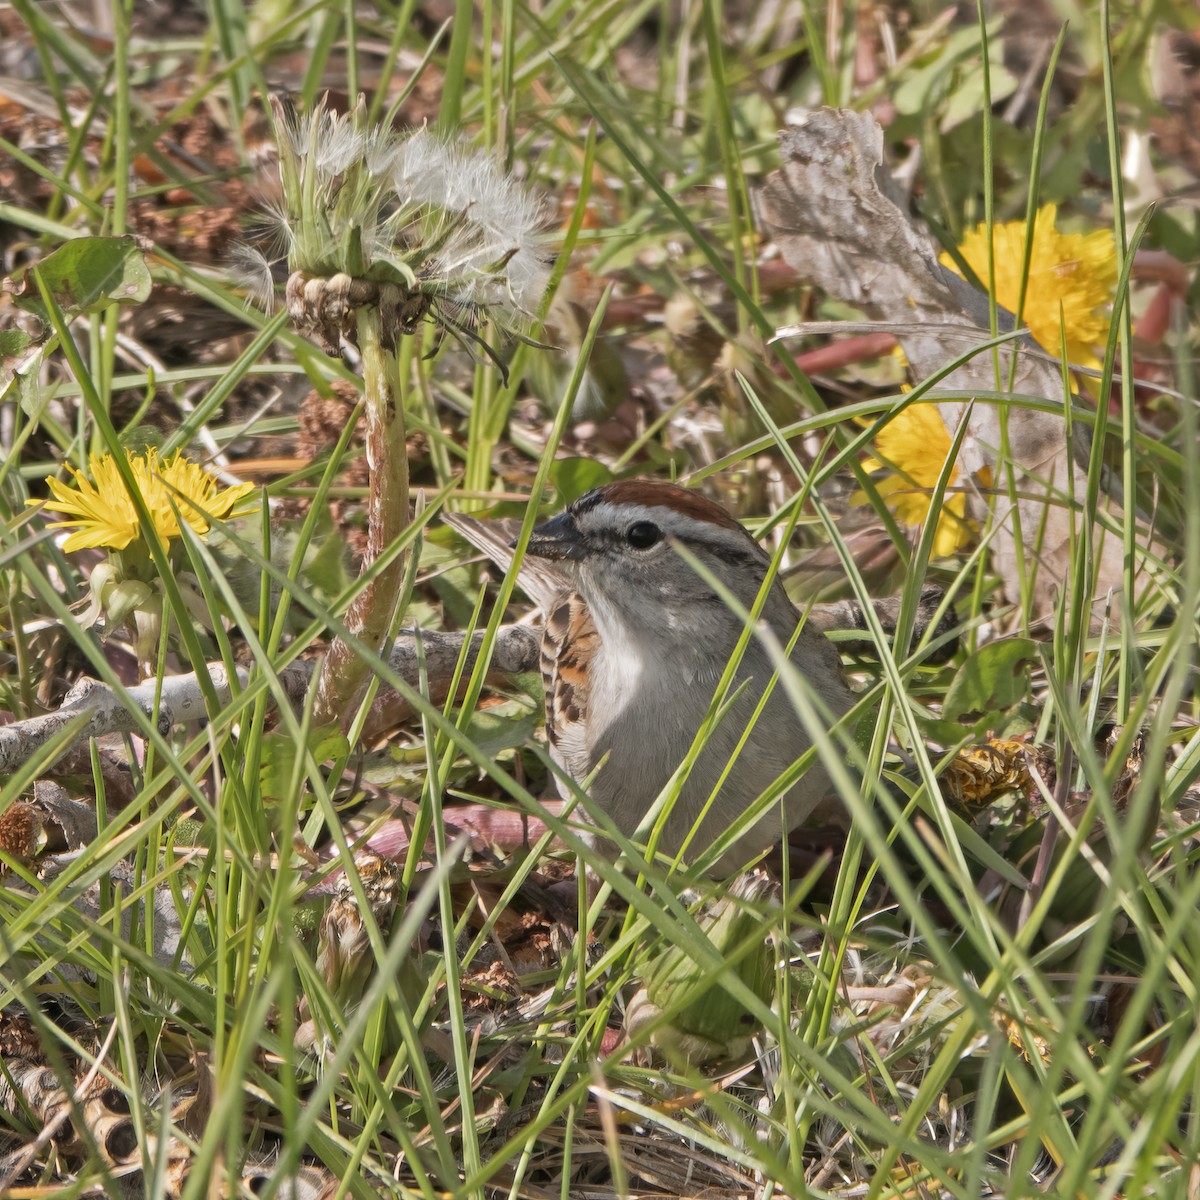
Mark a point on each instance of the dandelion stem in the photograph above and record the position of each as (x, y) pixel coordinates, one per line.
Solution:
(371, 614)
(384, 232)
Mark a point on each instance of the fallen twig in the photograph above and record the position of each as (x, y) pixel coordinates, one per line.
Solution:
(100, 709)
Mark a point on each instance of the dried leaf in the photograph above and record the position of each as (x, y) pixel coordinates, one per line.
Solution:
(838, 218)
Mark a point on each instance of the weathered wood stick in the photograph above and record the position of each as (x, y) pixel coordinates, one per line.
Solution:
(102, 709)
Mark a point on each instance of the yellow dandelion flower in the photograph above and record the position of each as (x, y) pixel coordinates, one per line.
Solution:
(1071, 281)
(914, 446)
(102, 513)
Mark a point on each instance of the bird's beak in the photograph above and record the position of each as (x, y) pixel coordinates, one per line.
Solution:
(557, 539)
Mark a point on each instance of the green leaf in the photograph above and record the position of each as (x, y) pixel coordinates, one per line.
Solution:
(12, 342)
(324, 571)
(86, 275)
(995, 677)
(965, 99)
(988, 686)
(503, 727)
(935, 81)
(392, 270)
(574, 476)
(280, 751)
(707, 1021)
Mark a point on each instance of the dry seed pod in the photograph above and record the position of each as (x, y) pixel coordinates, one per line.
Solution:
(21, 832)
(344, 954)
(306, 1183)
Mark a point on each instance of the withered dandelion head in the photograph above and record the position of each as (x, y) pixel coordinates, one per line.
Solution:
(1070, 286)
(102, 513)
(477, 226)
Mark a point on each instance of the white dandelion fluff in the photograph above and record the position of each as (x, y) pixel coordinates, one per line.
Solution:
(251, 268)
(486, 227)
(412, 210)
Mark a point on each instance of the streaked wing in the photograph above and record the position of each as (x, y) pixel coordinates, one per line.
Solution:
(569, 643)
(569, 637)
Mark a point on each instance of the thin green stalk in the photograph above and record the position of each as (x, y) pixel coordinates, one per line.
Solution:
(1031, 201)
(736, 193)
(455, 81)
(401, 29)
(506, 84)
(229, 19)
(328, 27)
(814, 16)
(350, 19)
(487, 87)
(1122, 319)
(484, 425)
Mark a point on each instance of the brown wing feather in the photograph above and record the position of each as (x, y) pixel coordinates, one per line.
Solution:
(569, 640)
(541, 580)
(569, 637)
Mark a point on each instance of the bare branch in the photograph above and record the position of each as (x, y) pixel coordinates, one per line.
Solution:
(102, 709)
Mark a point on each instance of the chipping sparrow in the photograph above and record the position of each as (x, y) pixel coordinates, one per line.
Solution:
(634, 645)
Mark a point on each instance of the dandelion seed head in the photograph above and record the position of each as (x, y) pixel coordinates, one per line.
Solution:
(293, 131)
(445, 218)
(383, 149)
(422, 169)
(336, 143)
(278, 235)
(488, 224)
(528, 274)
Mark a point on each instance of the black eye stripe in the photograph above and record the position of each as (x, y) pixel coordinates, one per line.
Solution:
(587, 502)
(750, 559)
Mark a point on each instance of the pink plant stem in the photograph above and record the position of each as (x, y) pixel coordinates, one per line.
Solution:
(844, 352)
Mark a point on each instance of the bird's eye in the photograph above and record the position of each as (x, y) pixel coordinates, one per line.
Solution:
(643, 534)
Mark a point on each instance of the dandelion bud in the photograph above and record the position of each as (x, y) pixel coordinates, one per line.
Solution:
(126, 598)
(147, 625)
(104, 577)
